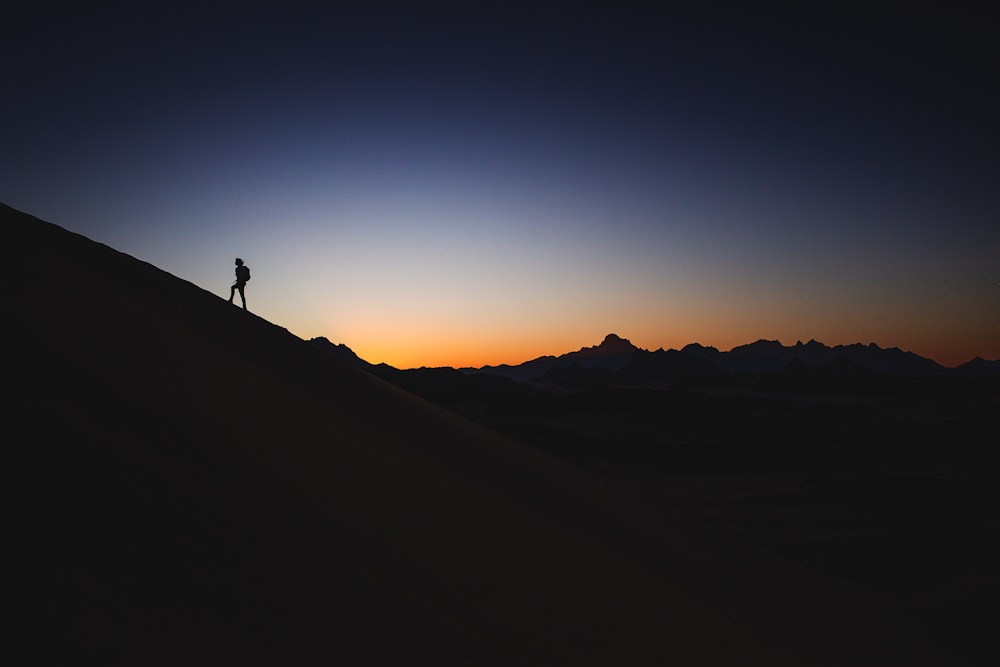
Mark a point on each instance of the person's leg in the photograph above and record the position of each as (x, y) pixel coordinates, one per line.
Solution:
(243, 298)
(232, 293)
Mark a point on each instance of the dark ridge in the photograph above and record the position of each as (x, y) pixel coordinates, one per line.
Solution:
(694, 360)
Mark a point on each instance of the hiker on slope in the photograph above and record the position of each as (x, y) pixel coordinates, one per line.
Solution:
(242, 276)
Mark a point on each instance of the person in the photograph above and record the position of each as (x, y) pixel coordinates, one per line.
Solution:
(242, 276)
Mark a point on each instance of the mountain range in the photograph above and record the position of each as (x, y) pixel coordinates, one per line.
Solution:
(618, 355)
(617, 360)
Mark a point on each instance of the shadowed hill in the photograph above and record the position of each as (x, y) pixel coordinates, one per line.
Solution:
(202, 487)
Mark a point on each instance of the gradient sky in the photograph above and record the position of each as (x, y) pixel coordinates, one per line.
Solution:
(450, 185)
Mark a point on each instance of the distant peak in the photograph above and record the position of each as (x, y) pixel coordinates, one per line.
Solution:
(612, 345)
(614, 342)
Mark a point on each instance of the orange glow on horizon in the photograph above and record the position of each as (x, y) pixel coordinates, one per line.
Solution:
(459, 339)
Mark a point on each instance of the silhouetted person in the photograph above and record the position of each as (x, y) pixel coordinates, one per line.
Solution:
(242, 276)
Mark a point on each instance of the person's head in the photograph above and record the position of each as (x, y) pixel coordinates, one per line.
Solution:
(239, 261)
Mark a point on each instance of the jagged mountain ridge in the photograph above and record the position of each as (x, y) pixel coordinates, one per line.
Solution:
(616, 354)
(618, 358)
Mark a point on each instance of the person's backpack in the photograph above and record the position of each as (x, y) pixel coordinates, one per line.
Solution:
(244, 273)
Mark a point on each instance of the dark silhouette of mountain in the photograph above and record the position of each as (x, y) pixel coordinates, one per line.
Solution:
(196, 484)
(524, 372)
(612, 353)
(617, 361)
(979, 367)
(769, 356)
(762, 357)
(339, 352)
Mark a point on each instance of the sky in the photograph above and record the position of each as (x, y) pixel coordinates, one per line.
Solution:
(450, 184)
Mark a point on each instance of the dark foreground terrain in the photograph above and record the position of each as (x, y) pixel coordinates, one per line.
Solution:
(195, 485)
(890, 483)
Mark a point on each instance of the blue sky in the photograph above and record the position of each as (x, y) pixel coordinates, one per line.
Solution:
(450, 185)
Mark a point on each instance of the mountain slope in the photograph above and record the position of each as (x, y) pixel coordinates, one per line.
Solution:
(200, 486)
